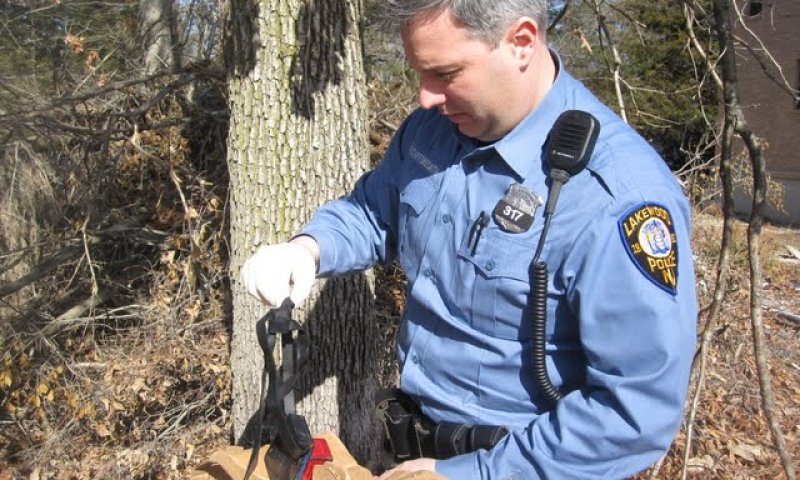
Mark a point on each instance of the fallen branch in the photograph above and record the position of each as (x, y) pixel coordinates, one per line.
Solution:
(791, 317)
(388, 125)
(185, 411)
(127, 229)
(55, 326)
(41, 270)
(782, 314)
(76, 311)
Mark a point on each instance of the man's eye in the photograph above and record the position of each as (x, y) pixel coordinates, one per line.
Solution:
(448, 76)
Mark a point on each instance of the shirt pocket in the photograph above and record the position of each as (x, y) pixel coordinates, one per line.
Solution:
(501, 283)
(415, 199)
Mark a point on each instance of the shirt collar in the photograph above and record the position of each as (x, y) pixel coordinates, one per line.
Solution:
(523, 144)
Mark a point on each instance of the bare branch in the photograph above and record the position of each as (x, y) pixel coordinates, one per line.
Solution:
(761, 52)
(187, 75)
(690, 21)
(615, 69)
(768, 68)
(560, 16)
(723, 262)
(78, 247)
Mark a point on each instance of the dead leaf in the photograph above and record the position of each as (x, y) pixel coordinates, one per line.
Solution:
(189, 452)
(191, 213)
(704, 462)
(193, 310)
(584, 42)
(748, 452)
(74, 42)
(168, 257)
(102, 430)
(91, 58)
(137, 385)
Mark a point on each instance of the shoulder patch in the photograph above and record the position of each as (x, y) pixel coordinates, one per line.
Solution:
(648, 235)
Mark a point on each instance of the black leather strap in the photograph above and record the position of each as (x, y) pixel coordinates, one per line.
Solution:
(293, 439)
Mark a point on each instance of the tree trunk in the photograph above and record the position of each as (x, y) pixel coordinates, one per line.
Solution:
(157, 27)
(298, 138)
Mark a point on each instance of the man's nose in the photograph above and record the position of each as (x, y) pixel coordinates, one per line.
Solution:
(429, 97)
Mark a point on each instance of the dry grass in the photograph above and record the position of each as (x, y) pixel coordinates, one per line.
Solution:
(115, 361)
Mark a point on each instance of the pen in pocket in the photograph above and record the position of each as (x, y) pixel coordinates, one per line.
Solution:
(475, 232)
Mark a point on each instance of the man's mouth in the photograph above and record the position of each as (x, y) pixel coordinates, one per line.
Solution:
(456, 117)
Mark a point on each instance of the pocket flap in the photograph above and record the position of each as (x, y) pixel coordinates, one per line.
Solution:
(498, 255)
(417, 194)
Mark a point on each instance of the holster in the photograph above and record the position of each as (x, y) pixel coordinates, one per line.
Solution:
(409, 433)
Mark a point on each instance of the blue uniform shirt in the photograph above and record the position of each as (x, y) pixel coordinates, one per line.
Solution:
(621, 309)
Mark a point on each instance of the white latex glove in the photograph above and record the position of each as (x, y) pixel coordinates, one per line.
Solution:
(276, 272)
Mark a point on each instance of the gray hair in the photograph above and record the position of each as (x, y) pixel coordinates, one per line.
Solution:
(483, 19)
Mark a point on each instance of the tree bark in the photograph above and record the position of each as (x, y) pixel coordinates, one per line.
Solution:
(157, 27)
(298, 138)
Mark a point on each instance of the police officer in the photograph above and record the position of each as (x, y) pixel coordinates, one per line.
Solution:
(621, 309)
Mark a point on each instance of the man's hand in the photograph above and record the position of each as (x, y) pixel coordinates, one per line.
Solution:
(276, 272)
(420, 465)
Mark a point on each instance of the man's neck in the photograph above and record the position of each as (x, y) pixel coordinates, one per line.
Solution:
(539, 78)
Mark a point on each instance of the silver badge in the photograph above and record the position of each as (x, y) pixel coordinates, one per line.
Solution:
(515, 212)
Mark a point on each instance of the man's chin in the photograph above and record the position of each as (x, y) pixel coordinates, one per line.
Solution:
(469, 129)
(476, 134)
(479, 132)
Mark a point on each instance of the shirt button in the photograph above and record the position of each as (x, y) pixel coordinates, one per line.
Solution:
(427, 272)
(490, 265)
(446, 218)
(415, 359)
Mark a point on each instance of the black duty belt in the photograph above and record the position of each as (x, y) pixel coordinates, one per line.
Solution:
(411, 434)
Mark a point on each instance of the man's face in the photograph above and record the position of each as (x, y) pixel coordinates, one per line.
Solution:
(464, 77)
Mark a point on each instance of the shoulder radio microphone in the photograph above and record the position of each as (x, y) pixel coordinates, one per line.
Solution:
(569, 147)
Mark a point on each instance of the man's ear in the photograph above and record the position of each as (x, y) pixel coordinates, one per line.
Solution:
(523, 37)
